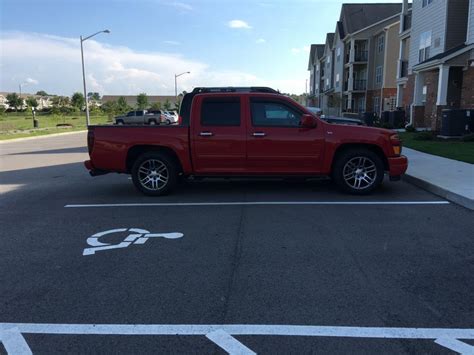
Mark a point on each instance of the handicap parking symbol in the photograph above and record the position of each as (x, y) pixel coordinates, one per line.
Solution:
(135, 236)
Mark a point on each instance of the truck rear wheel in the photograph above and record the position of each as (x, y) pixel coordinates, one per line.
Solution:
(358, 171)
(154, 173)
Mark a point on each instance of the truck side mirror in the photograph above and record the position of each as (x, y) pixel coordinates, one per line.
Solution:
(308, 121)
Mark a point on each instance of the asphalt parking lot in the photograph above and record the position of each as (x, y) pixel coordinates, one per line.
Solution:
(91, 265)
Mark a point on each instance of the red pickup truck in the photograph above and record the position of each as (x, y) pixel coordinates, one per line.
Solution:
(254, 131)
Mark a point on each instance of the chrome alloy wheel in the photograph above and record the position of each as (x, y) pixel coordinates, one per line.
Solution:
(153, 174)
(360, 173)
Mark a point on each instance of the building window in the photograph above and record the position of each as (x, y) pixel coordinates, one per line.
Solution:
(337, 80)
(380, 43)
(377, 104)
(425, 46)
(317, 67)
(425, 91)
(328, 60)
(338, 54)
(327, 82)
(317, 86)
(426, 2)
(378, 75)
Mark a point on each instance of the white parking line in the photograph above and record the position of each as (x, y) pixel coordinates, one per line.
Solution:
(229, 343)
(259, 203)
(446, 337)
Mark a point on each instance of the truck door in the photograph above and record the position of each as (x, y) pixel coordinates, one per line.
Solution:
(277, 144)
(218, 134)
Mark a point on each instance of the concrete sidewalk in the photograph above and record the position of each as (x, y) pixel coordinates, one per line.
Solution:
(450, 179)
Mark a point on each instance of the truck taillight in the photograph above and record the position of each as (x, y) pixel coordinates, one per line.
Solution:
(396, 144)
(90, 140)
(180, 120)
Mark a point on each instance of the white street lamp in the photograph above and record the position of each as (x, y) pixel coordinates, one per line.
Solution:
(84, 72)
(176, 84)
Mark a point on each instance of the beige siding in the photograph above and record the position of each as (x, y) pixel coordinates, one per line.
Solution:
(392, 48)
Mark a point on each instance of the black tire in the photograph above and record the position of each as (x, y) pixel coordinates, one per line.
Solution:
(152, 122)
(355, 177)
(119, 122)
(168, 122)
(143, 163)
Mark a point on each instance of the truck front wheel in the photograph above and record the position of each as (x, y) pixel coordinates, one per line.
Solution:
(358, 171)
(154, 173)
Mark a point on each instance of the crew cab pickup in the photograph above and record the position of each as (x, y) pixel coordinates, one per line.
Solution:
(139, 117)
(235, 132)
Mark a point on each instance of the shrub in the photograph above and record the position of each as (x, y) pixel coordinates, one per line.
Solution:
(424, 136)
(468, 138)
(410, 128)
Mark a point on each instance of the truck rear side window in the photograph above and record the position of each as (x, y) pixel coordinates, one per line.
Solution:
(220, 112)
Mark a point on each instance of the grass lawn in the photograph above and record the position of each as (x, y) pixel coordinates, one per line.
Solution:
(452, 149)
(20, 125)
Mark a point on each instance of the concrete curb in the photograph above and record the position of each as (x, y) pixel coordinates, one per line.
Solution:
(446, 194)
(41, 136)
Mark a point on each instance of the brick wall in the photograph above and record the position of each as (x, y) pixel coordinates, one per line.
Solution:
(467, 93)
(431, 110)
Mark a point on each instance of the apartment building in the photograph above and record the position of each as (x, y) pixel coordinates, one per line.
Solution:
(435, 59)
(316, 52)
(360, 60)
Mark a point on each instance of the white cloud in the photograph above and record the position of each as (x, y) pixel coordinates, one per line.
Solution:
(182, 6)
(31, 81)
(305, 49)
(238, 24)
(173, 43)
(55, 62)
(260, 40)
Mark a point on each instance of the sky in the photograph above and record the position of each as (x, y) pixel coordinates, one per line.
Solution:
(221, 43)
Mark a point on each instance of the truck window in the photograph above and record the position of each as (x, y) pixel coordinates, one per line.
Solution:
(131, 113)
(139, 113)
(220, 112)
(274, 113)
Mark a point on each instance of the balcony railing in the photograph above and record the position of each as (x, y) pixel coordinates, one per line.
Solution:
(346, 86)
(406, 22)
(361, 56)
(360, 84)
(403, 68)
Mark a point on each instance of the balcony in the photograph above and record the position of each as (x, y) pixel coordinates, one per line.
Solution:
(406, 22)
(403, 68)
(360, 56)
(360, 85)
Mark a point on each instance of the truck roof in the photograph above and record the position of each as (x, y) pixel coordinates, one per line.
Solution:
(185, 110)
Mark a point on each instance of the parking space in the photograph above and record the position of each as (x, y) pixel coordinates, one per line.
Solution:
(220, 253)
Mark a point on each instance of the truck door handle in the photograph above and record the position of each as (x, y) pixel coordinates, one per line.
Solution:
(259, 134)
(206, 134)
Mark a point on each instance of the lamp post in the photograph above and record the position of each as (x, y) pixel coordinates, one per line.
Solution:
(21, 100)
(176, 85)
(84, 72)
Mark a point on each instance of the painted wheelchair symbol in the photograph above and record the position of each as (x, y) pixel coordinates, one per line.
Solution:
(136, 236)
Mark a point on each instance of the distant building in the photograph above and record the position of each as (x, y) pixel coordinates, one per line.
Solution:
(132, 99)
(43, 101)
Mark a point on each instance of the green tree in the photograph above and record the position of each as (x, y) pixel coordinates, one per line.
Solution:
(110, 107)
(142, 101)
(77, 100)
(156, 106)
(122, 105)
(32, 102)
(167, 105)
(41, 93)
(93, 96)
(14, 100)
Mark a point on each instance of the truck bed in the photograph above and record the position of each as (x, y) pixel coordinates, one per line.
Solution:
(112, 145)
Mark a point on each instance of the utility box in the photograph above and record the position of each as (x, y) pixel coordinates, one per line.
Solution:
(456, 122)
